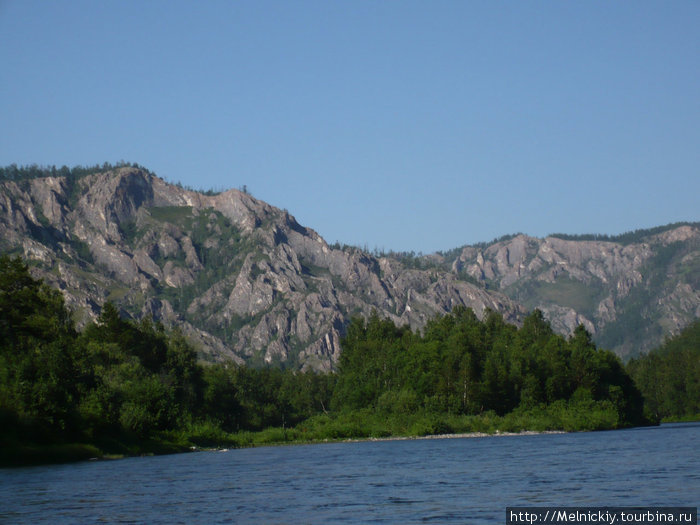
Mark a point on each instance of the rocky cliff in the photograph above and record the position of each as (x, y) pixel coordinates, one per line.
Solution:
(629, 291)
(241, 278)
(246, 282)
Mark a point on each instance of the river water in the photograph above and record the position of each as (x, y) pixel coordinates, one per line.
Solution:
(462, 480)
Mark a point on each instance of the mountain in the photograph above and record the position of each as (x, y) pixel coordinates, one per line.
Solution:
(629, 291)
(242, 279)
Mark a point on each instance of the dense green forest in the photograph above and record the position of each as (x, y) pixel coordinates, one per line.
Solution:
(461, 365)
(126, 387)
(669, 376)
(122, 386)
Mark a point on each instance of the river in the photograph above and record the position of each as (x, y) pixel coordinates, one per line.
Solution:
(462, 480)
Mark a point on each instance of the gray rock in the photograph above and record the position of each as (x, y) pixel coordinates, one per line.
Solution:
(245, 282)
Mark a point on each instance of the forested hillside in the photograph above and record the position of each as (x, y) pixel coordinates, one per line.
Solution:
(241, 279)
(669, 376)
(631, 291)
(123, 386)
(244, 281)
(126, 387)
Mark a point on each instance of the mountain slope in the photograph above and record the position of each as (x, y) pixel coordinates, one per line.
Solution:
(241, 278)
(246, 282)
(630, 291)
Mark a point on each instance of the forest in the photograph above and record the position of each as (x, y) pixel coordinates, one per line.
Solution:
(669, 377)
(124, 387)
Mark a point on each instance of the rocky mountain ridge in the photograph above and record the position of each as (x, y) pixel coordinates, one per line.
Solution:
(629, 293)
(241, 278)
(246, 282)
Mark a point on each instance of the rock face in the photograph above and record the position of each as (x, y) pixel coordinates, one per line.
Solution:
(629, 291)
(246, 282)
(241, 278)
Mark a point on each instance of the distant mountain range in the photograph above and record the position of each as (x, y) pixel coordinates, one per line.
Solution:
(244, 281)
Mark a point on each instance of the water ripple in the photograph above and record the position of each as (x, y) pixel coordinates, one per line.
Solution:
(413, 481)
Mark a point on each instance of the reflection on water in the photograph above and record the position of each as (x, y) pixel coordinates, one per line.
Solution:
(443, 481)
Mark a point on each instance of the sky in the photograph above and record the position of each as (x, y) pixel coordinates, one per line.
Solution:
(392, 125)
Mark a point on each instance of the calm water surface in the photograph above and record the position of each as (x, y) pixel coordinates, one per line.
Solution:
(439, 480)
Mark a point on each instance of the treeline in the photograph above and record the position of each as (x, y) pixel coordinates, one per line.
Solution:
(464, 366)
(128, 387)
(669, 376)
(630, 237)
(16, 173)
(451, 254)
(124, 386)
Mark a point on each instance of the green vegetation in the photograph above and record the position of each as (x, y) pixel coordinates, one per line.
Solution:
(34, 171)
(175, 214)
(626, 238)
(669, 377)
(21, 174)
(123, 388)
(464, 366)
(219, 245)
(637, 323)
(582, 297)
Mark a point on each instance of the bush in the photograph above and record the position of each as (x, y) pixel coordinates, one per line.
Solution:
(430, 425)
(402, 402)
(208, 434)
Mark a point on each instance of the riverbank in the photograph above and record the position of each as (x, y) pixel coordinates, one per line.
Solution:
(356, 425)
(682, 419)
(23, 455)
(461, 435)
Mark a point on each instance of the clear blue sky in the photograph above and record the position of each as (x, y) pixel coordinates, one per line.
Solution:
(406, 125)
